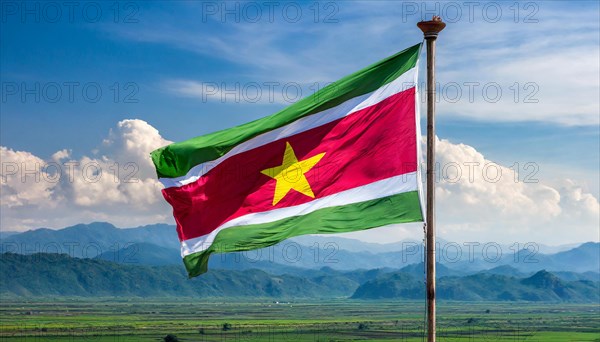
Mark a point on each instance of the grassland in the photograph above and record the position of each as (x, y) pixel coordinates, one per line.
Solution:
(341, 320)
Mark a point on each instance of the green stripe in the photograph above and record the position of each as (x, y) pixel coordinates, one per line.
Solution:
(177, 159)
(400, 208)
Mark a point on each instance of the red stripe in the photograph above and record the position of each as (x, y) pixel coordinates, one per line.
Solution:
(374, 143)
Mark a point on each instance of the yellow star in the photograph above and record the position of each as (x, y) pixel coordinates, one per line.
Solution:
(291, 174)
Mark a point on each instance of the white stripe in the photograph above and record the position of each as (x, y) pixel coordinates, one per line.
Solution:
(404, 82)
(382, 188)
(418, 135)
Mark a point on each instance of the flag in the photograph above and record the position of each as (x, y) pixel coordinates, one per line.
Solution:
(341, 160)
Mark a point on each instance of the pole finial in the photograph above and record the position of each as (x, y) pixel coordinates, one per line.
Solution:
(432, 27)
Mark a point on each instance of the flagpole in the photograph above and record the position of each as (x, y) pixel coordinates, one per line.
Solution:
(430, 30)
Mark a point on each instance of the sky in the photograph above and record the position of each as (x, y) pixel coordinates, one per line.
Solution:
(90, 88)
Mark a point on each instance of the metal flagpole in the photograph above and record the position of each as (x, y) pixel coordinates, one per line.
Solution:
(430, 30)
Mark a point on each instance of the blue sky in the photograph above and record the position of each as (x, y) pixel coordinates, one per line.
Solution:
(156, 61)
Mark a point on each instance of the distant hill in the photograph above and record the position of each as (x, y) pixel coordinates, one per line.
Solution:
(392, 285)
(158, 245)
(564, 275)
(61, 275)
(287, 254)
(580, 259)
(552, 288)
(89, 240)
(505, 270)
(353, 245)
(418, 270)
(6, 234)
(583, 258)
(36, 275)
(570, 276)
(542, 286)
(143, 254)
(154, 255)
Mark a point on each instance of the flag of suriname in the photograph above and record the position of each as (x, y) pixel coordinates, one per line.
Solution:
(341, 160)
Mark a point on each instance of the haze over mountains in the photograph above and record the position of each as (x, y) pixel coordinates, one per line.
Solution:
(100, 260)
(158, 245)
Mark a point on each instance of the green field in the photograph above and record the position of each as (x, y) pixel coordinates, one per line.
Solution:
(343, 320)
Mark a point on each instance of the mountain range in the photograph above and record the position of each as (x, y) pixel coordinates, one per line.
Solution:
(541, 286)
(51, 275)
(155, 245)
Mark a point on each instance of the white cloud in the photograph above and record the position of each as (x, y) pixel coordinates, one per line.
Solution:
(117, 184)
(489, 202)
(60, 155)
(132, 141)
(24, 180)
(477, 200)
